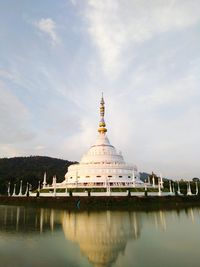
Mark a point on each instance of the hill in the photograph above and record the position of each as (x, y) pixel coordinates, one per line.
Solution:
(30, 169)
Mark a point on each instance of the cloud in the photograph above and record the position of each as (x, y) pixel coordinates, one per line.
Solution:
(48, 26)
(117, 27)
(4, 74)
(14, 120)
(73, 2)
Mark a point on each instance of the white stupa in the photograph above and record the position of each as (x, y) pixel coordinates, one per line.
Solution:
(102, 166)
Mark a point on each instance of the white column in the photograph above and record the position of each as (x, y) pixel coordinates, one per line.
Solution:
(44, 180)
(9, 189)
(189, 193)
(179, 191)
(161, 181)
(159, 188)
(14, 191)
(54, 186)
(197, 189)
(170, 187)
(153, 180)
(20, 189)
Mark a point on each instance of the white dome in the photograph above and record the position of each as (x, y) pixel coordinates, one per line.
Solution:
(102, 152)
(100, 164)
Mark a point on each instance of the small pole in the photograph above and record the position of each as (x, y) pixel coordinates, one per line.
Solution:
(170, 187)
(153, 180)
(159, 188)
(20, 190)
(45, 180)
(14, 191)
(8, 188)
(179, 191)
(197, 189)
(161, 181)
(189, 193)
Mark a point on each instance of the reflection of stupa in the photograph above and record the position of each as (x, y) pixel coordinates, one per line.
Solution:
(101, 238)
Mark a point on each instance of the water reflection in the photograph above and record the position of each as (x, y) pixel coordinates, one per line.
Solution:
(101, 236)
(21, 219)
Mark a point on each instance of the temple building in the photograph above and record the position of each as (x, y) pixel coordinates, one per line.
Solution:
(102, 166)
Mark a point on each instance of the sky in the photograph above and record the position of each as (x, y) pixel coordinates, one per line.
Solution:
(56, 57)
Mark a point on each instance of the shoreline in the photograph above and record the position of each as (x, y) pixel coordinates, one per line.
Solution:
(75, 203)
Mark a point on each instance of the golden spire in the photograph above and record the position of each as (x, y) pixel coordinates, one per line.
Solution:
(102, 125)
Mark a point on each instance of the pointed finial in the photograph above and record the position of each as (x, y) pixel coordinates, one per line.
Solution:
(102, 100)
(102, 124)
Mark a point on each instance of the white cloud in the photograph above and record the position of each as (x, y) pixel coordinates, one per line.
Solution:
(5, 74)
(48, 26)
(73, 2)
(14, 118)
(118, 26)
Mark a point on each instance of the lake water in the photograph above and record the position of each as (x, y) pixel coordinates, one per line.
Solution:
(48, 237)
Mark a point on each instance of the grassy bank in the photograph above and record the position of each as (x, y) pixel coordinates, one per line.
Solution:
(103, 203)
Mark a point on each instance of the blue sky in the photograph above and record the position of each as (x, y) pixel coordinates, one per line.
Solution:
(56, 57)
